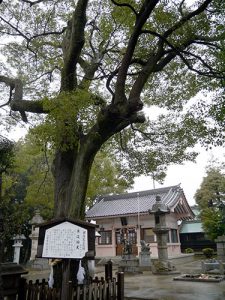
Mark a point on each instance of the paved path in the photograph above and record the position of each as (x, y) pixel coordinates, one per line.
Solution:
(161, 287)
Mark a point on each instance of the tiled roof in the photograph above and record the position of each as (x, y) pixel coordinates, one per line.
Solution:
(191, 227)
(132, 203)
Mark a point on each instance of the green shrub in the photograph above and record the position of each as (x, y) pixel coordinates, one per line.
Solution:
(189, 250)
(208, 252)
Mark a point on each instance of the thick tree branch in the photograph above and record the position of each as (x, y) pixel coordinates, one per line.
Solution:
(35, 2)
(16, 101)
(143, 15)
(155, 63)
(72, 46)
(125, 5)
(28, 106)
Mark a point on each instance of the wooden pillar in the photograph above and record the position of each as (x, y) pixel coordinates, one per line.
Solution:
(120, 286)
(108, 270)
(22, 289)
(65, 279)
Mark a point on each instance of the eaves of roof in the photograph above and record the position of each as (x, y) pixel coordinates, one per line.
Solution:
(134, 203)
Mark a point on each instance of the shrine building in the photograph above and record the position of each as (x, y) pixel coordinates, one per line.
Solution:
(126, 216)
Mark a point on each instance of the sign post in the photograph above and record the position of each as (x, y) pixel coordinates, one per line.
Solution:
(68, 240)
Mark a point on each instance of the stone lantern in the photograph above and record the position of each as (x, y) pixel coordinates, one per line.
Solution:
(160, 210)
(17, 245)
(35, 221)
(162, 266)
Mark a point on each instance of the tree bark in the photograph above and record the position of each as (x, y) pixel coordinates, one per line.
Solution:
(72, 167)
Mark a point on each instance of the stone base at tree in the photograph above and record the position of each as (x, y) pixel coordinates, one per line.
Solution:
(163, 268)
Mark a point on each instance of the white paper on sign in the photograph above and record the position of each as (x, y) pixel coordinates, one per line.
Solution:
(65, 240)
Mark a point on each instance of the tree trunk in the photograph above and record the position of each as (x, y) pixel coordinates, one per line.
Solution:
(72, 167)
(62, 170)
(71, 171)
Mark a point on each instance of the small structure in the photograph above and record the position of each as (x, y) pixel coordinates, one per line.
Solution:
(144, 256)
(35, 221)
(213, 266)
(160, 210)
(192, 234)
(126, 216)
(129, 263)
(11, 274)
(17, 246)
(220, 245)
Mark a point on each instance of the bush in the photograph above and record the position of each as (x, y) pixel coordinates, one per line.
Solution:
(208, 252)
(189, 250)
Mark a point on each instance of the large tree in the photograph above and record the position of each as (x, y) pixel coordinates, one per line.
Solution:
(87, 68)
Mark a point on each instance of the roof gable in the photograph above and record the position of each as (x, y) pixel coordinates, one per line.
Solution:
(137, 202)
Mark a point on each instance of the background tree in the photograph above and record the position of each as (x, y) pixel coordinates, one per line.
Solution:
(89, 67)
(107, 176)
(211, 200)
(13, 212)
(6, 157)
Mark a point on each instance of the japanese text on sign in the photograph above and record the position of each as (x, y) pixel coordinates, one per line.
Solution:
(65, 240)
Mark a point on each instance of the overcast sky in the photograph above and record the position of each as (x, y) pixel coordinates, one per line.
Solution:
(189, 175)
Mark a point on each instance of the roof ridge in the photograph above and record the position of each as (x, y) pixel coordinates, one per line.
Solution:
(140, 193)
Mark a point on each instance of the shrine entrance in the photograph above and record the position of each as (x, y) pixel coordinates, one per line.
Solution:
(128, 234)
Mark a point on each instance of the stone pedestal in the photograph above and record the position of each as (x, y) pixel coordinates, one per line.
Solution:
(144, 261)
(129, 264)
(17, 245)
(162, 236)
(220, 245)
(16, 256)
(213, 266)
(36, 220)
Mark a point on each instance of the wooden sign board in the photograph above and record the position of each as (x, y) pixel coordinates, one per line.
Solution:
(65, 240)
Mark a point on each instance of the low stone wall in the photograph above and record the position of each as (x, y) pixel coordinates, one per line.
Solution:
(176, 260)
(220, 244)
(182, 259)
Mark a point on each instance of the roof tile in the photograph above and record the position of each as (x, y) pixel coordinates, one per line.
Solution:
(132, 203)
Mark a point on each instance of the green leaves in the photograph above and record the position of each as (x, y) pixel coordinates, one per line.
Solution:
(212, 191)
(29, 180)
(69, 112)
(107, 177)
(6, 154)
